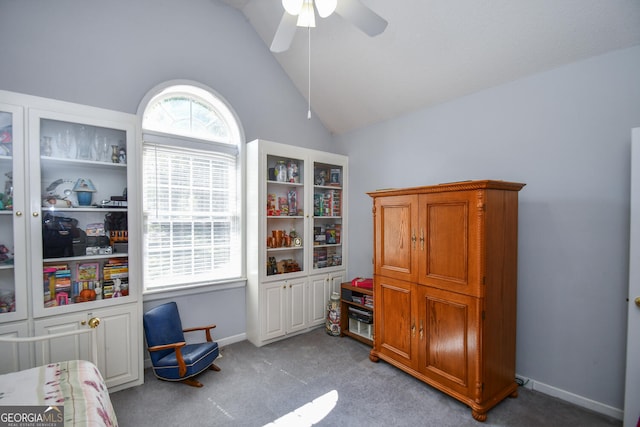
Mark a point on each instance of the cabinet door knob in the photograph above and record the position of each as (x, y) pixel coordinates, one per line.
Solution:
(94, 322)
(18, 213)
(637, 301)
(35, 214)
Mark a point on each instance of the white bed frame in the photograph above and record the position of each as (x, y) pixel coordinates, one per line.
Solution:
(93, 353)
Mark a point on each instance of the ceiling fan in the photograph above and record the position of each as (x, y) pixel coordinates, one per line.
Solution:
(301, 13)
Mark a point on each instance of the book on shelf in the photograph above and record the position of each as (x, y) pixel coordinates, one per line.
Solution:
(88, 271)
(334, 176)
(115, 268)
(361, 315)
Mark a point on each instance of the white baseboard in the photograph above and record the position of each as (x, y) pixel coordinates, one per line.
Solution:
(582, 401)
(231, 340)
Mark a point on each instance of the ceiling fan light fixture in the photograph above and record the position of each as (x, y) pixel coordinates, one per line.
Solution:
(326, 7)
(307, 16)
(293, 7)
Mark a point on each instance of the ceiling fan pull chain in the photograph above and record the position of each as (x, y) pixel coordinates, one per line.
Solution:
(309, 87)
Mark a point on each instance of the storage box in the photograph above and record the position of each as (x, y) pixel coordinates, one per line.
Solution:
(359, 282)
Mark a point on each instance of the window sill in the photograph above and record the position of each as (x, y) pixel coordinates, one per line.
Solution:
(194, 289)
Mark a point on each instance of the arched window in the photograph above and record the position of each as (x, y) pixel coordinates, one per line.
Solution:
(191, 182)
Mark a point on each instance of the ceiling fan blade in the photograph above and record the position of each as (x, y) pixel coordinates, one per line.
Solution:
(361, 16)
(284, 34)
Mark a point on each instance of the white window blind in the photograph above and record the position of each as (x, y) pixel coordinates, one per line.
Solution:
(191, 222)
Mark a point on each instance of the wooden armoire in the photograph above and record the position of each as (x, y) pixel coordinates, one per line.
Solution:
(445, 272)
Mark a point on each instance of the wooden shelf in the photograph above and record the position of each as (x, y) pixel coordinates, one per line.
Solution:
(347, 324)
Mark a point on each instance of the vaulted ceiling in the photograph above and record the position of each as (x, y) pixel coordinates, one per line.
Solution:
(433, 51)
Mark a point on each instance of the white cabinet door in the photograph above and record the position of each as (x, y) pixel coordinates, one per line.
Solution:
(14, 357)
(86, 255)
(318, 298)
(322, 286)
(117, 341)
(296, 305)
(119, 344)
(13, 255)
(272, 304)
(66, 348)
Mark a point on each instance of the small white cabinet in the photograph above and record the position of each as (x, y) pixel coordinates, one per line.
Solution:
(285, 308)
(296, 237)
(73, 195)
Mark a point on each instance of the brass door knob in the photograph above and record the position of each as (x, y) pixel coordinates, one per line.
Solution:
(637, 301)
(94, 322)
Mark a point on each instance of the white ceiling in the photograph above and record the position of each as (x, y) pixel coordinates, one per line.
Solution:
(436, 50)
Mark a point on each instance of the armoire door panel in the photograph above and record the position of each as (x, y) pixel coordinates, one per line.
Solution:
(450, 241)
(396, 237)
(447, 243)
(396, 322)
(448, 351)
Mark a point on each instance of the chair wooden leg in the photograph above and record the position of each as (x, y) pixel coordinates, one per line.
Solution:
(214, 367)
(192, 382)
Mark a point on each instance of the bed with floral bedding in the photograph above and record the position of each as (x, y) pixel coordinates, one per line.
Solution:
(77, 385)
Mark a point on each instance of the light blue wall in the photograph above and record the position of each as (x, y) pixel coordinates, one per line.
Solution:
(566, 134)
(110, 53)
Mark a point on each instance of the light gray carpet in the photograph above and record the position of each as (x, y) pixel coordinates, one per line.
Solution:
(258, 386)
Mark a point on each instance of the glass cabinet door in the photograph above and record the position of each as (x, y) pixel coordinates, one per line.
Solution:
(285, 215)
(13, 281)
(327, 215)
(80, 192)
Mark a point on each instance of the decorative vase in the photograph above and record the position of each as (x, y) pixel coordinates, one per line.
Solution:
(333, 315)
(115, 151)
(84, 198)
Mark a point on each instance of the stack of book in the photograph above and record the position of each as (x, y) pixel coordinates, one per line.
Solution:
(327, 203)
(116, 278)
(336, 203)
(368, 300)
(62, 283)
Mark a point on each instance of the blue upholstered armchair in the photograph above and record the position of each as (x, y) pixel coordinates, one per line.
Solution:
(171, 357)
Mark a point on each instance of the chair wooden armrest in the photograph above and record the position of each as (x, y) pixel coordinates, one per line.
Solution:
(182, 367)
(207, 330)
